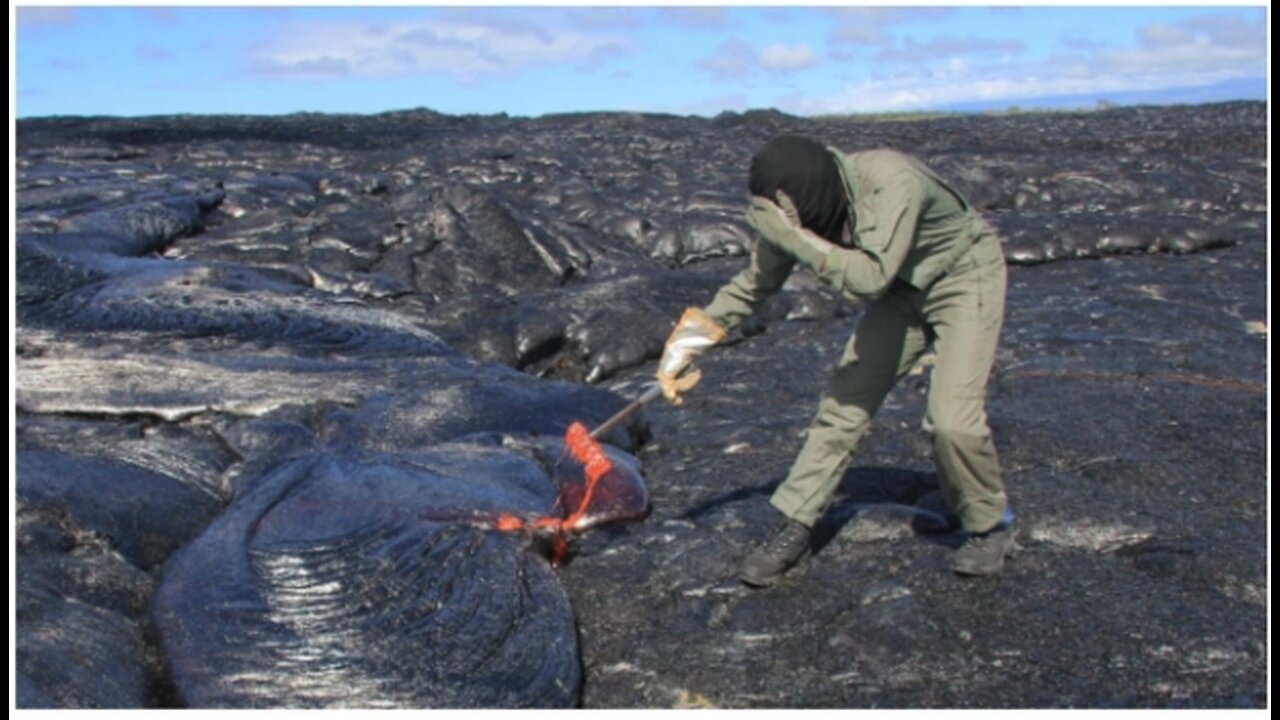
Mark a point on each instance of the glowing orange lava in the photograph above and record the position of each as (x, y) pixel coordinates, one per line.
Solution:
(595, 465)
(587, 451)
(506, 522)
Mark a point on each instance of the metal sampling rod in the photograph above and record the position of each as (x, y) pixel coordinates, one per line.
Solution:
(654, 391)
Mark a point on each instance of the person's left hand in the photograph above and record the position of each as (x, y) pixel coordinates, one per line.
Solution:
(780, 225)
(788, 208)
(770, 220)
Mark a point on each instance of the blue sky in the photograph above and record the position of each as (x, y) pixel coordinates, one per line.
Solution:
(701, 60)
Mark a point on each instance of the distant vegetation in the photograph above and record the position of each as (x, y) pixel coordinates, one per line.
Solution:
(918, 115)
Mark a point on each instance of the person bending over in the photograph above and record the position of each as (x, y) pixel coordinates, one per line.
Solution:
(881, 227)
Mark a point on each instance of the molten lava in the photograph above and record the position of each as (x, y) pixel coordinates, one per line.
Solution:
(592, 490)
(586, 450)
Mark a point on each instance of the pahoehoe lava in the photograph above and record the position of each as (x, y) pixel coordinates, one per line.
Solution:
(276, 377)
(367, 580)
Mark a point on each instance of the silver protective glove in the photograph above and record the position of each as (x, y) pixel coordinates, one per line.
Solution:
(693, 334)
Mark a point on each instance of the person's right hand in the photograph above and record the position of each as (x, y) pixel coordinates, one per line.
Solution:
(693, 334)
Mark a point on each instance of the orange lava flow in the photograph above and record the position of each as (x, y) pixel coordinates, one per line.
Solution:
(587, 451)
(507, 522)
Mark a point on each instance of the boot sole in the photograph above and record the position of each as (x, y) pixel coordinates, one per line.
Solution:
(755, 580)
(977, 570)
(985, 571)
(758, 582)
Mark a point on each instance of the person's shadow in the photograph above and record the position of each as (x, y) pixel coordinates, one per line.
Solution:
(913, 492)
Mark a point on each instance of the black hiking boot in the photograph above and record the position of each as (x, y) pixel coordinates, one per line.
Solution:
(789, 543)
(984, 553)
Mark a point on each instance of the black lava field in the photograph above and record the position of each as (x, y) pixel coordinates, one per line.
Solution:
(276, 377)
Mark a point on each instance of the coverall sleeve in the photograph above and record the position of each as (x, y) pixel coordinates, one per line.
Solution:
(887, 217)
(746, 292)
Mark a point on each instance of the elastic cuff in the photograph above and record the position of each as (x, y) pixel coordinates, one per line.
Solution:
(806, 519)
(697, 320)
(808, 248)
(833, 267)
(978, 518)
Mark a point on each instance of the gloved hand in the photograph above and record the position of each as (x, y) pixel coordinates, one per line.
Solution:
(780, 225)
(693, 334)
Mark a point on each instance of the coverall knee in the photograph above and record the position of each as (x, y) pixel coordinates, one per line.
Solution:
(887, 343)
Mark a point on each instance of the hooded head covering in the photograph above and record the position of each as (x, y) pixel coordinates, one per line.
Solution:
(806, 171)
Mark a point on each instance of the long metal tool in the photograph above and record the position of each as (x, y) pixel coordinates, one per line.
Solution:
(654, 391)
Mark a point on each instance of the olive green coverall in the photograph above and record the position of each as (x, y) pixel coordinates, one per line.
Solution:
(934, 274)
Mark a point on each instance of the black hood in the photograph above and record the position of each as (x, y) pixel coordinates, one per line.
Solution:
(806, 171)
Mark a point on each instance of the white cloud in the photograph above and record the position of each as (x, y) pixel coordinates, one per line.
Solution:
(731, 59)
(1200, 51)
(869, 25)
(165, 16)
(606, 18)
(947, 47)
(694, 17)
(460, 43)
(857, 34)
(939, 89)
(1080, 42)
(737, 58)
(878, 95)
(34, 17)
(1230, 29)
(316, 67)
(1161, 34)
(595, 60)
(1176, 67)
(782, 57)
